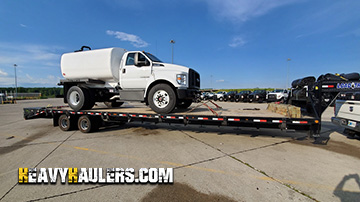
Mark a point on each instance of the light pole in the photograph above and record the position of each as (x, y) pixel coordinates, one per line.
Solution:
(172, 51)
(15, 81)
(287, 75)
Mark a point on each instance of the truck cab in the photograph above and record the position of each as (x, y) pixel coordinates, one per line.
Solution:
(114, 75)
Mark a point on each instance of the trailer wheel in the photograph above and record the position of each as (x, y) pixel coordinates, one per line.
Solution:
(113, 104)
(65, 123)
(76, 97)
(162, 98)
(85, 124)
(184, 104)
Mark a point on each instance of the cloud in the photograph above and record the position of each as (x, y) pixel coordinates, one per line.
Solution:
(35, 62)
(2, 73)
(341, 14)
(237, 41)
(135, 40)
(238, 11)
(220, 81)
(22, 25)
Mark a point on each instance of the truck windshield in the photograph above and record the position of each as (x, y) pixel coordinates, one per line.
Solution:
(152, 57)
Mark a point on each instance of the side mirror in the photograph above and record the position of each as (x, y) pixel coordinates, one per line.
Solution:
(138, 62)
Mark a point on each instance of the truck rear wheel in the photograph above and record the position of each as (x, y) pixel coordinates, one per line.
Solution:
(162, 98)
(77, 98)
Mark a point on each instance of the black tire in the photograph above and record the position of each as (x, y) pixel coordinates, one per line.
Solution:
(89, 98)
(86, 124)
(162, 99)
(65, 123)
(184, 104)
(76, 98)
(113, 104)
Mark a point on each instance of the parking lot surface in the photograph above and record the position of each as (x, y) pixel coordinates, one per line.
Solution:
(210, 163)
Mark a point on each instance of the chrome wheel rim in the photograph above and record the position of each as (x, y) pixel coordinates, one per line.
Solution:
(84, 124)
(161, 99)
(64, 123)
(74, 98)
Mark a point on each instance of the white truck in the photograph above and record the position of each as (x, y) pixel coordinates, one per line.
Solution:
(347, 112)
(278, 95)
(115, 75)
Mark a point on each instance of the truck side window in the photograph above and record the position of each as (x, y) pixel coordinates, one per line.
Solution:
(143, 58)
(130, 59)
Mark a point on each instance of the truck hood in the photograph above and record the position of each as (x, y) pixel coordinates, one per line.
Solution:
(172, 67)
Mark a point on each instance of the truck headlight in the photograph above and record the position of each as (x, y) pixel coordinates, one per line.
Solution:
(257, 96)
(181, 79)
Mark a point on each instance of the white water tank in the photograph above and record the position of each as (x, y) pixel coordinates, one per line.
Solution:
(100, 64)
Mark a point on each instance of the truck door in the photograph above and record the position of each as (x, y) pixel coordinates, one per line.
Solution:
(135, 77)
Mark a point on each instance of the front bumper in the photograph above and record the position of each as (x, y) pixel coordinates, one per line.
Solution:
(345, 123)
(186, 94)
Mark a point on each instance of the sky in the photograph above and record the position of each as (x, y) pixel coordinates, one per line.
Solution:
(231, 43)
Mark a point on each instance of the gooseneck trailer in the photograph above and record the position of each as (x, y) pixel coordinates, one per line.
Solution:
(313, 103)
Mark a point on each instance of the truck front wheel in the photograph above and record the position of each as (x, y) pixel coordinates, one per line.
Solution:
(162, 98)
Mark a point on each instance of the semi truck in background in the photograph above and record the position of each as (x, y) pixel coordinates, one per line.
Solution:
(115, 75)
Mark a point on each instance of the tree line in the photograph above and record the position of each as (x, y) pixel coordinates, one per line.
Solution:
(45, 92)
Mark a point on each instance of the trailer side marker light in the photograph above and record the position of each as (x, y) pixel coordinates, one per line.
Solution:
(316, 121)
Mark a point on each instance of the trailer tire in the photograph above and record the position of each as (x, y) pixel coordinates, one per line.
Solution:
(65, 123)
(86, 124)
(184, 104)
(162, 98)
(77, 98)
(113, 104)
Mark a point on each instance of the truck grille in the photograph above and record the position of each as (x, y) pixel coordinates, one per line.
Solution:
(194, 79)
(272, 97)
